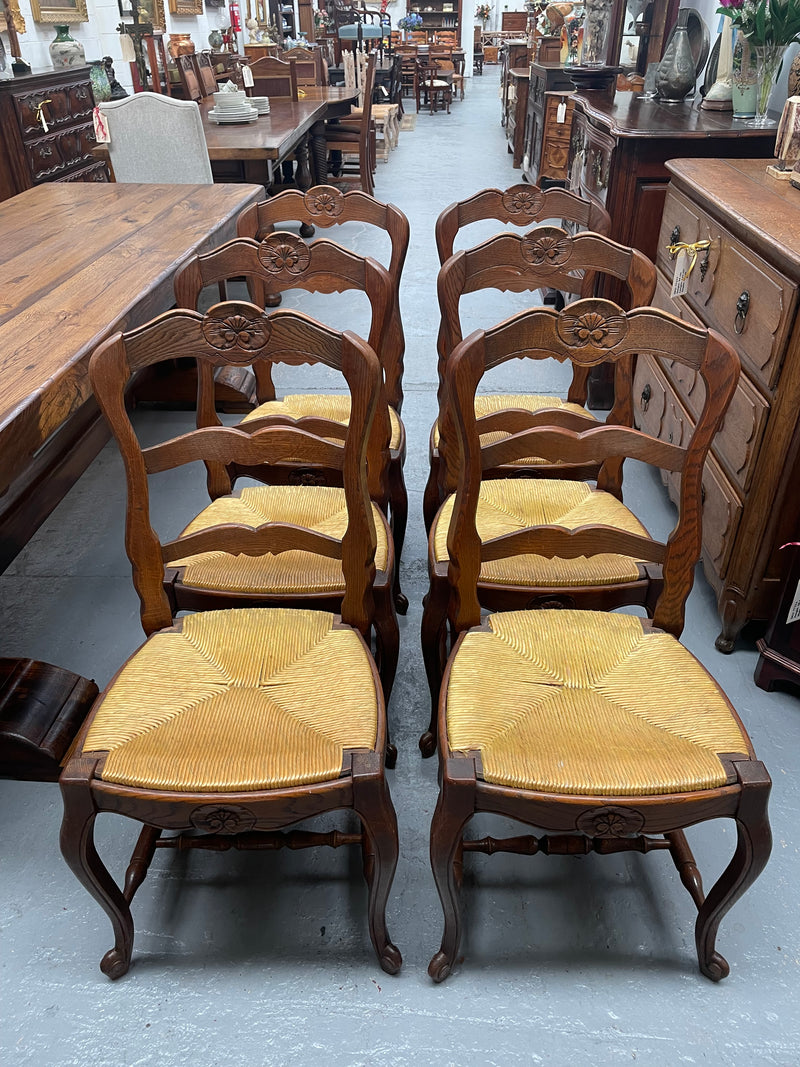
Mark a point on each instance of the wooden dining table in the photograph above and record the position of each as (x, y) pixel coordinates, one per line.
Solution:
(249, 151)
(77, 262)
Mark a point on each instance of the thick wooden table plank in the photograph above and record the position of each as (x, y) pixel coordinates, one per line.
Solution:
(78, 261)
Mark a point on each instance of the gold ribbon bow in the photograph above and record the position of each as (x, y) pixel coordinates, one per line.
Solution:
(682, 246)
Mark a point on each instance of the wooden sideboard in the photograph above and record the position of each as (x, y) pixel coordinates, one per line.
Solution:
(545, 157)
(29, 155)
(515, 115)
(513, 55)
(746, 287)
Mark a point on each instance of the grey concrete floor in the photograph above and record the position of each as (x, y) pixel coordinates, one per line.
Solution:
(265, 959)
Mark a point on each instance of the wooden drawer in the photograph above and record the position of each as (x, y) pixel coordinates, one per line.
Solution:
(66, 105)
(658, 411)
(597, 152)
(720, 279)
(97, 172)
(739, 438)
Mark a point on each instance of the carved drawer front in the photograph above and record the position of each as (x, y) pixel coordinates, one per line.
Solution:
(738, 293)
(598, 151)
(680, 222)
(97, 172)
(76, 145)
(655, 408)
(45, 158)
(57, 111)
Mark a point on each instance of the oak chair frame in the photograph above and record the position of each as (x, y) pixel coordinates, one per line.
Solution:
(578, 824)
(248, 819)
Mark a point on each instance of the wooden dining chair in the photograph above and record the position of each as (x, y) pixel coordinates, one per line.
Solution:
(309, 66)
(205, 73)
(190, 79)
(442, 56)
(226, 726)
(408, 68)
(431, 90)
(545, 257)
(353, 141)
(599, 729)
(326, 207)
(274, 78)
(283, 261)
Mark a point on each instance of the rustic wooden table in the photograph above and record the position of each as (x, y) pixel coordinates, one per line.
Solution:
(78, 261)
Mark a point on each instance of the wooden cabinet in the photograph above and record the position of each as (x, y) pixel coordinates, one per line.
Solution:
(545, 157)
(746, 287)
(31, 154)
(515, 115)
(438, 15)
(513, 56)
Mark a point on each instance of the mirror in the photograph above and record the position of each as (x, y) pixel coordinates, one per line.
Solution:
(639, 31)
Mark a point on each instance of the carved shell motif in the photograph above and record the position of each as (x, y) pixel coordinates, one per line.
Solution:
(523, 201)
(592, 324)
(610, 822)
(284, 253)
(234, 327)
(546, 246)
(219, 819)
(329, 202)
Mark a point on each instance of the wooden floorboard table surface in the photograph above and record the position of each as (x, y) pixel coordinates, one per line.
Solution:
(78, 261)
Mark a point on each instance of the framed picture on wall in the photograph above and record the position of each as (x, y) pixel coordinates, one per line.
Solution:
(63, 12)
(186, 7)
(153, 11)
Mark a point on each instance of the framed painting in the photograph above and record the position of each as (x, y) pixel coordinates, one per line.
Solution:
(62, 12)
(186, 7)
(153, 11)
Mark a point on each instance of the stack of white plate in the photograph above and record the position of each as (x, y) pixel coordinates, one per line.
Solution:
(261, 104)
(232, 107)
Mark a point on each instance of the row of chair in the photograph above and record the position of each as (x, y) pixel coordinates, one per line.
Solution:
(597, 727)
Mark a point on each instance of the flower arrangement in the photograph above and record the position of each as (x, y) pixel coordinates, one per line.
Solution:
(764, 22)
(483, 11)
(322, 21)
(413, 21)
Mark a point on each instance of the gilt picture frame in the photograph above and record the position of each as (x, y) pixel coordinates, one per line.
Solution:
(61, 12)
(186, 7)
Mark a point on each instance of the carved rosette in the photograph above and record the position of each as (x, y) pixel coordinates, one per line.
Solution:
(328, 202)
(598, 324)
(547, 246)
(306, 477)
(523, 201)
(223, 819)
(284, 253)
(610, 822)
(238, 330)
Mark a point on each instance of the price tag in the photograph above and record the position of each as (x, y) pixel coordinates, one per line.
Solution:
(794, 610)
(247, 77)
(101, 134)
(680, 280)
(561, 111)
(43, 121)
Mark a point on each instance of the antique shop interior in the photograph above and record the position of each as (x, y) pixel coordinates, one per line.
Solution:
(399, 532)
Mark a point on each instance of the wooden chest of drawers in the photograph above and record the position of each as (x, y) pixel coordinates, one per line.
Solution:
(546, 143)
(29, 155)
(746, 287)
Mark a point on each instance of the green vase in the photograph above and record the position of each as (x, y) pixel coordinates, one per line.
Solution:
(65, 51)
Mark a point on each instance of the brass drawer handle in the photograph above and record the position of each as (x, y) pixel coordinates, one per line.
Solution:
(597, 170)
(644, 403)
(674, 238)
(742, 307)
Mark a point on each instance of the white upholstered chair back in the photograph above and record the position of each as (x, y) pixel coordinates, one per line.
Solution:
(157, 139)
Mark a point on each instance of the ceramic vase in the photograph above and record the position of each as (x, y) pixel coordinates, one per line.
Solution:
(676, 75)
(215, 39)
(101, 86)
(65, 51)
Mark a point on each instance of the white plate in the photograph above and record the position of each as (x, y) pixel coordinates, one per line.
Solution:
(232, 119)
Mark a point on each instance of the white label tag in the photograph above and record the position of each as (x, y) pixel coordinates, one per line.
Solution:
(561, 111)
(247, 77)
(794, 610)
(43, 120)
(680, 280)
(101, 134)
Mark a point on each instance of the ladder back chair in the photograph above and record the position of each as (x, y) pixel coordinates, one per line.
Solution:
(217, 729)
(205, 73)
(599, 729)
(431, 89)
(281, 262)
(352, 140)
(326, 206)
(273, 77)
(545, 257)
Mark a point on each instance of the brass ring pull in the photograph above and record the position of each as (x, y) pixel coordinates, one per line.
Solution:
(742, 307)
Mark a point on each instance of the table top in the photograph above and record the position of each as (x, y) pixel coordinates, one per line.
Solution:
(628, 116)
(77, 261)
(275, 135)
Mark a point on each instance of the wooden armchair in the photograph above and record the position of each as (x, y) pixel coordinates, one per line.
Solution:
(599, 729)
(545, 257)
(218, 728)
(325, 206)
(301, 485)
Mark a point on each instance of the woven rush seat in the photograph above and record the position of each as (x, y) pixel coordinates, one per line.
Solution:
(493, 402)
(511, 504)
(588, 703)
(333, 407)
(233, 702)
(320, 508)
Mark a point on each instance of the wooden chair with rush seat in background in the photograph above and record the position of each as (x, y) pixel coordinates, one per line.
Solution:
(598, 729)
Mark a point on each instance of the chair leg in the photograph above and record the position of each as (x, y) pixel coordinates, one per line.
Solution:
(454, 809)
(398, 513)
(387, 641)
(140, 860)
(373, 805)
(753, 846)
(77, 848)
(434, 653)
(431, 500)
